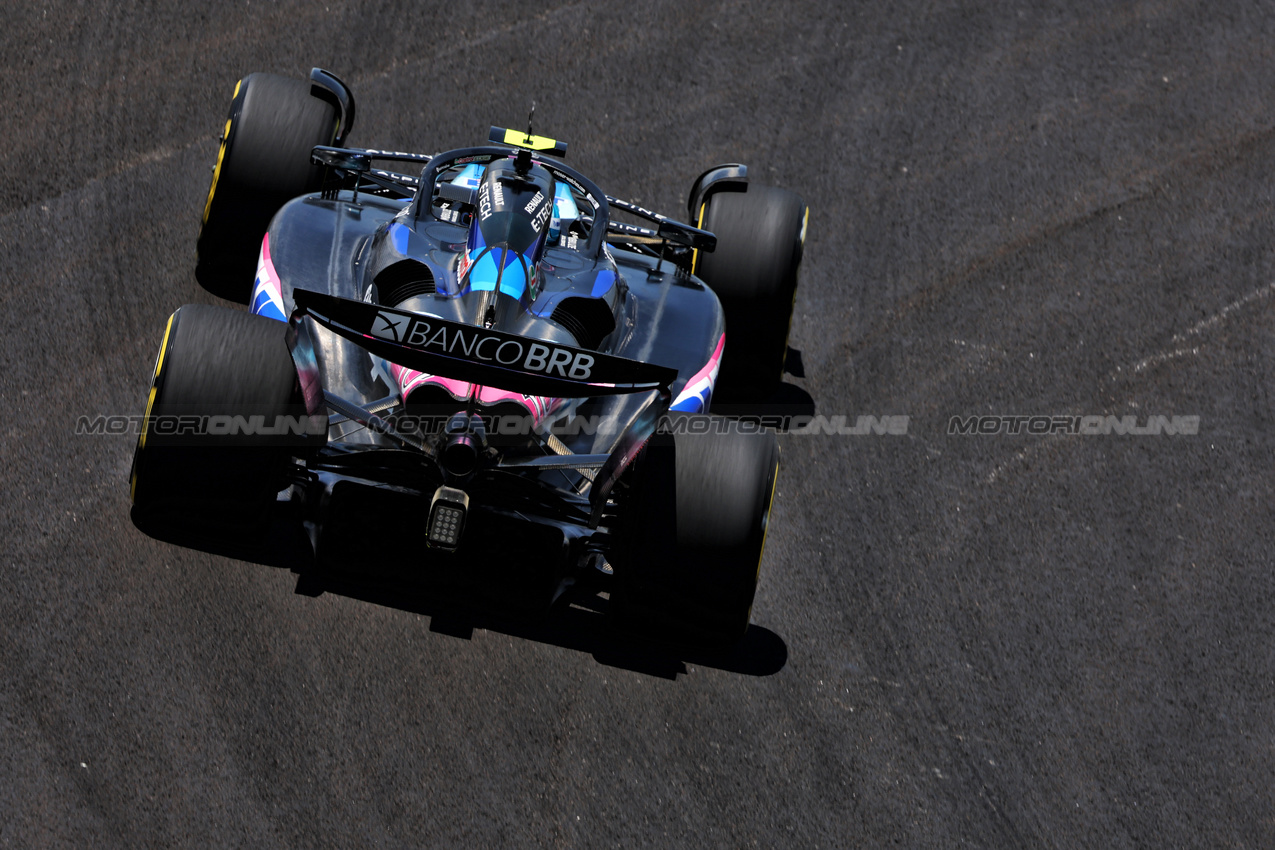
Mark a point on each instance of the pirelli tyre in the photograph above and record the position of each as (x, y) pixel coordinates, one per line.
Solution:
(760, 235)
(263, 162)
(224, 418)
(691, 531)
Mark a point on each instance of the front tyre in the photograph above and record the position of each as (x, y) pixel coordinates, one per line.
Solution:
(692, 530)
(263, 162)
(760, 235)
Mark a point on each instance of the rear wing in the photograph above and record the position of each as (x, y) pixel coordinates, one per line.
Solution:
(479, 355)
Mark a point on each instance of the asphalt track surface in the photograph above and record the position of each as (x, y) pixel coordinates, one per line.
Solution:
(995, 641)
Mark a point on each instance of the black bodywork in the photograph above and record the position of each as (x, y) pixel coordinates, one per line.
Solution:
(371, 271)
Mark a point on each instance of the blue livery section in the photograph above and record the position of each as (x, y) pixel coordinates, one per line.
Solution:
(263, 305)
(693, 403)
(602, 283)
(398, 237)
(565, 208)
(469, 176)
(485, 274)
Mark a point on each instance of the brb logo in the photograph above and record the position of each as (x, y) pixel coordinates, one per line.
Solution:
(480, 345)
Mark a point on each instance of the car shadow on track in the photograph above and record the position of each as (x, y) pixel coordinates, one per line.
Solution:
(578, 623)
(786, 406)
(582, 626)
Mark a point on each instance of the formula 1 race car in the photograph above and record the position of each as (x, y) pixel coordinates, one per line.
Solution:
(474, 374)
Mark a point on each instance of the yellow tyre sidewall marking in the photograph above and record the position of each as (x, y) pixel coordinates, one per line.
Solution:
(774, 482)
(221, 154)
(700, 224)
(150, 402)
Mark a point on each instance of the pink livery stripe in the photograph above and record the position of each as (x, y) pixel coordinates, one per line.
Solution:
(695, 396)
(410, 379)
(538, 406)
(267, 291)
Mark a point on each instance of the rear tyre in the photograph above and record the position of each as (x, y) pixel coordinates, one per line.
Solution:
(195, 467)
(760, 234)
(692, 531)
(263, 162)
